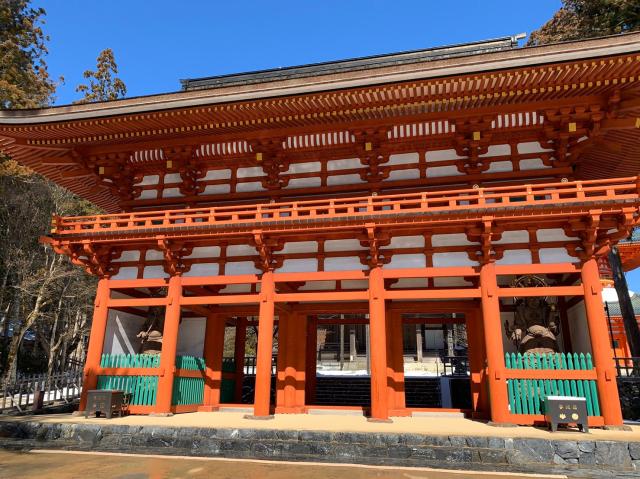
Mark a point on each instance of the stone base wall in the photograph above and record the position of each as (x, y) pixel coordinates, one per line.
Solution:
(579, 457)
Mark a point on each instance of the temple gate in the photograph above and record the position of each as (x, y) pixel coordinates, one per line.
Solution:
(426, 183)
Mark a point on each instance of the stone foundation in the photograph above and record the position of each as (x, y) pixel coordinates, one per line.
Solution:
(580, 457)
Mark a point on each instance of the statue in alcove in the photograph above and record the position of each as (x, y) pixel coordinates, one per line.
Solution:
(151, 333)
(535, 320)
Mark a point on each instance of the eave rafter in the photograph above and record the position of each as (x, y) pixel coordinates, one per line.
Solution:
(578, 98)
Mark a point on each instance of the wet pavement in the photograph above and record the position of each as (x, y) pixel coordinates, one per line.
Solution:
(117, 466)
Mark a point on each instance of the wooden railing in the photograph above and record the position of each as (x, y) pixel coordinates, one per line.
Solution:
(63, 387)
(560, 193)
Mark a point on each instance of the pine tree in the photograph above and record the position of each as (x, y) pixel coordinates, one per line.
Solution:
(24, 81)
(103, 85)
(579, 19)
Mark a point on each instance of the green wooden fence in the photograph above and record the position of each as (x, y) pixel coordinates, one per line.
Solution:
(526, 396)
(142, 388)
(188, 390)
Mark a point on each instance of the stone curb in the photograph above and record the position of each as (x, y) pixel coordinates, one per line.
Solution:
(580, 457)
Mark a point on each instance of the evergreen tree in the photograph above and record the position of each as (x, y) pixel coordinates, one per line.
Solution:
(103, 85)
(24, 81)
(579, 19)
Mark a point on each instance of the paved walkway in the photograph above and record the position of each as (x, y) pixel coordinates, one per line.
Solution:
(113, 466)
(437, 426)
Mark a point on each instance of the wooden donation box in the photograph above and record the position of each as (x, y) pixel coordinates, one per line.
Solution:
(107, 402)
(566, 410)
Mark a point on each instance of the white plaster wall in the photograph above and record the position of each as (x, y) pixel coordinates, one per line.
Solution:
(452, 259)
(515, 256)
(399, 261)
(154, 272)
(403, 159)
(497, 150)
(344, 179)
(303, 265)
(556, 255)
(120, 335)
(343, 264)
(202, 269)
(345, 164)
(191, 337)
(126, 273)
(304, 182)
(128, 256)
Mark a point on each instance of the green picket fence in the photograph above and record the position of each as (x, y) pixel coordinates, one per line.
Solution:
(142, 388)
(526, 396)
(130, 361)
(188, 390)
(191, 363)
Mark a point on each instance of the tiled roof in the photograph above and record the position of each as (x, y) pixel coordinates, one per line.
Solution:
(353, 64)
(614, 307)
(634, 238)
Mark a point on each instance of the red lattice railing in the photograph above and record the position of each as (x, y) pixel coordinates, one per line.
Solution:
(547, 194)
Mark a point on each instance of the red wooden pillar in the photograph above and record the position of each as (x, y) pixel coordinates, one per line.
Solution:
(598, 332)
(213, 351)
(493, 343)
(291, 363)
(283, 360)
(477, 355)
(311, 359)
(169, 347)
(395, 364)
(96, 340)
(378, 351)
(299, 351)
(238, 356)
(262, 406)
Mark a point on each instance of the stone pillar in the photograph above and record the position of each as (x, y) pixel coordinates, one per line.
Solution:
(262, 403)
(353, 353)
(169, 347)
(492, 326)
(238, 357)
(96, 340)
(419, 343)
(378, 344)
(598, 332)
(213, 352)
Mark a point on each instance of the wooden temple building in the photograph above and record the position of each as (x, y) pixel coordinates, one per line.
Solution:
(443, 185)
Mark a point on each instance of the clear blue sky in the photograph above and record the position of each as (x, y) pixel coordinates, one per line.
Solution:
(158, 42)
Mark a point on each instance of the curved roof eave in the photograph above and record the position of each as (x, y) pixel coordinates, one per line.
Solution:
(483, 62)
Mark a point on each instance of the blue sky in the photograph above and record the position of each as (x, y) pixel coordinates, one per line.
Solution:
(158, 42)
